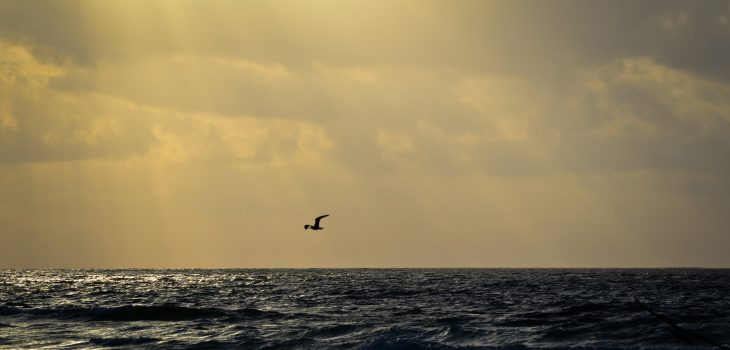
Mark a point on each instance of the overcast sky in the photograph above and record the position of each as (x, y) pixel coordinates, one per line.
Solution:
(435, 133)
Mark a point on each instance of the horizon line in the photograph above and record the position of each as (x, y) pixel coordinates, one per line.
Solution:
(380, 268)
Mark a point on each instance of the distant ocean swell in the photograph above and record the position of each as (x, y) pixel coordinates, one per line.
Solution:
(586, 313)
(365, 309)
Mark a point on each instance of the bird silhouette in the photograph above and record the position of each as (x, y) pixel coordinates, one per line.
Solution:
(316, 223)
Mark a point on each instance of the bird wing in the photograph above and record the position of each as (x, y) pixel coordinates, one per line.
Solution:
(316, 221)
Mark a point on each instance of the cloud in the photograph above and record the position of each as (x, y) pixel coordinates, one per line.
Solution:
(636, 112)
(479, 133)
(489, 37)
(40, 124)
(659, 99)
(647, 115)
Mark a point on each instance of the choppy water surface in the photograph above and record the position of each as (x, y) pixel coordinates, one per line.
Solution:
(362, 309)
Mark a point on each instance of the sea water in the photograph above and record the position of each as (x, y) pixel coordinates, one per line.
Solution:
(365, 309)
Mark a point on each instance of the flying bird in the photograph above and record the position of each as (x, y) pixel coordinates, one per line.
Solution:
(316, 223)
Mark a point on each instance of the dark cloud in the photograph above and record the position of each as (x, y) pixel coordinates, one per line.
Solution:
(517, 37)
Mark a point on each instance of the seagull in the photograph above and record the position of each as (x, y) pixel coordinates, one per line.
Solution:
(316, 223)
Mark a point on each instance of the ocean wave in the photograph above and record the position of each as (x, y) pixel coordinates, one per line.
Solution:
(139, 313)
(9, 310)
(384, 343)
(121, 341)
(334, 331)
(363, 309)
(413, 311)
(152, 313)
(256, 313)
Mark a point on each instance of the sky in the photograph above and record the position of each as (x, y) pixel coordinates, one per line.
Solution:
(186, 133)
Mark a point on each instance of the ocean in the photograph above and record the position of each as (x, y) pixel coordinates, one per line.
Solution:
(365, 309)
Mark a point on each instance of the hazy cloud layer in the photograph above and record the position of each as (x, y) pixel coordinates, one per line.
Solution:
(136, 133)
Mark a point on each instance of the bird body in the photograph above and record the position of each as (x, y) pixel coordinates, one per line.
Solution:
(316, 223)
